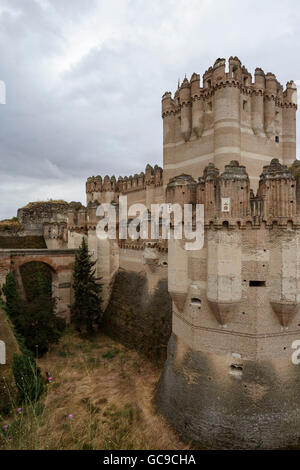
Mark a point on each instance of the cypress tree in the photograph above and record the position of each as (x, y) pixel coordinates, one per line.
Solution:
(86, 309)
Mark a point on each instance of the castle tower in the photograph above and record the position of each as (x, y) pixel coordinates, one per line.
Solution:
(230, 117)
(229, 380)
(229, 143)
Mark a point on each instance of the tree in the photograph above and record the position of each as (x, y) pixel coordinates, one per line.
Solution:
(38, 323)
(12, 298)
(86, 310)
(34, 320)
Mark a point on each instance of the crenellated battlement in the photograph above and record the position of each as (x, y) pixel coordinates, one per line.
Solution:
(215, 77)
(96, 187)
(228, 198)
(230, 116)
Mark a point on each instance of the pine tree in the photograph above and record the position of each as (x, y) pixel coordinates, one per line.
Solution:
(12, 298)
(86, 309)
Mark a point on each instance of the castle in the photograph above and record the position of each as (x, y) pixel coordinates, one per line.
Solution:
(229, 381)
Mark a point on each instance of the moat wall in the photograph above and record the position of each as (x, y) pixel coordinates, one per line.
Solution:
(138, 318)
(258, 409)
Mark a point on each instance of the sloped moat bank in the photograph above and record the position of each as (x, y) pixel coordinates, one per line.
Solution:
(137, 318)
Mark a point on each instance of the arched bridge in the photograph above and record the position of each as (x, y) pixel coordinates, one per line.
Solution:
(61, 263)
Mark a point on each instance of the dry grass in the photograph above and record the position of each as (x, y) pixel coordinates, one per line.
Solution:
(9, 224)
(107, 388)
(49, 201)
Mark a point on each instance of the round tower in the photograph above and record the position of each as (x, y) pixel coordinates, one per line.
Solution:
(185, 105)
(197, 105)
(257, 102)
(289, 123)
(269, 108)
(226, 117)
(168, 115)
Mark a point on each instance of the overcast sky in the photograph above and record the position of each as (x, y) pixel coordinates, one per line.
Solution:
(84, 80)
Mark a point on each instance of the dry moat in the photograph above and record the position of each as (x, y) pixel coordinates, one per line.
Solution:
(108, 390)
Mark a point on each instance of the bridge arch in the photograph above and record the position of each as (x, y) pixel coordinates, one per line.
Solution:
(18, 271)
(60, 263)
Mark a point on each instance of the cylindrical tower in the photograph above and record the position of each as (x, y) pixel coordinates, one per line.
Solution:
(257, 102)
(269, 108)
(226, 113)
(168, 115)
(289, 123)
(197, 106)
(235, 189)
(186, 114)
(277, 187)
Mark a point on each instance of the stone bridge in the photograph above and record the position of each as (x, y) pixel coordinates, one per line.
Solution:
(59, 261)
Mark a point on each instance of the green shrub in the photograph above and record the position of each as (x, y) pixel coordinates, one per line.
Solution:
(28, 377)
(35, 324)
(12, 298)
(39, 325)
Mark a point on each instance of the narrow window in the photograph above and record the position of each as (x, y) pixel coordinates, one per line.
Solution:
(209, 107)
(236, 369)
(257, 283)
(195, 301)
(277, 138)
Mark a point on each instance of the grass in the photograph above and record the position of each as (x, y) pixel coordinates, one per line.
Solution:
(100, 397)
(12, 224)
(15, 241)
(49, 201)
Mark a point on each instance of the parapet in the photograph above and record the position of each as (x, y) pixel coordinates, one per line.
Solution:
(234, 171)
(95, 185)
(192, 102)
(228, 198)
(216, 76)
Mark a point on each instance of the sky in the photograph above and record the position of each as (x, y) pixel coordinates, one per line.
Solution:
(84, 81)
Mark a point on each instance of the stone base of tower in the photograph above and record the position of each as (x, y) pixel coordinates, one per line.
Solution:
(249, 406)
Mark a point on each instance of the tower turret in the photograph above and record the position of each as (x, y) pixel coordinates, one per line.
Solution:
(185, 105)
(289, 123)
(197, 105)
(269, 108)
(168, 115)
(235, 191)
(257, 102)
(278, 189)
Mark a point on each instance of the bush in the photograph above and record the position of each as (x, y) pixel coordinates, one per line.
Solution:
(28, 377)
(12, 298)
(39, 325)
(34, 320)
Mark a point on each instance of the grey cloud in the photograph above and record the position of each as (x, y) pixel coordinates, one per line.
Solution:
(84, 80)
